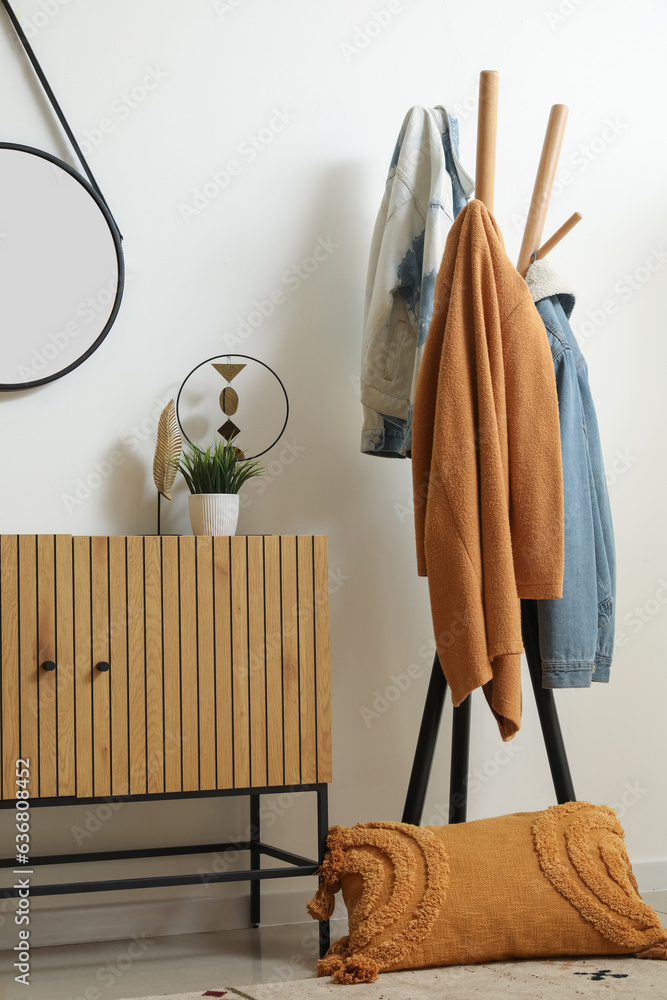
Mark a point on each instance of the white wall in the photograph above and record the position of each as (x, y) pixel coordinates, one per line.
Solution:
(226, 67)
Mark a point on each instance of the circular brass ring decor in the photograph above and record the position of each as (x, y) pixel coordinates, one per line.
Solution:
(228, 367)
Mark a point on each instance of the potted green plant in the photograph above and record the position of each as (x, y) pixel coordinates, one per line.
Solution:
(214, 477)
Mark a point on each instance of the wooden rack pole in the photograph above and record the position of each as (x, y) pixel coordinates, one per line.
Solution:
(558, 235)
(544, 182)
(487, 127)
(485, 169)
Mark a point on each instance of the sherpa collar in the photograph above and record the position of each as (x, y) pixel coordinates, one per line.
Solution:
(544, 282)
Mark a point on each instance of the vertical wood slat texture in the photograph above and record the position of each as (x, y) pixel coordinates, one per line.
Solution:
(172, 670)
(291, 708)
(239, 625)
(9, 662)
(154, 686)
(28, 667)
(306, 634)
(274, 672)
(136, 665)
(83, 662)
(322, 670)
(118, 674)
(257, 660)
(228, 637)
(47, 681)
(100, 679)
(65, 669)
(206, 662)
(188, 645)
(223, 663)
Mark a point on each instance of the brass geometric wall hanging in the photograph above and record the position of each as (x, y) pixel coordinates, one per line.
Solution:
(229, 372)
(229, 400)
(228, 367)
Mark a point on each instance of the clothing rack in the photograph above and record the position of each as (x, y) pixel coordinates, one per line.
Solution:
(544, 698)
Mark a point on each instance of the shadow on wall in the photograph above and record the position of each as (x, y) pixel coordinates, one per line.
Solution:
(119, 482)
(130, 498)
(314, 339)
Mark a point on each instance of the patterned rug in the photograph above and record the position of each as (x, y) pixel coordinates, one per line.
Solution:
(556, 979)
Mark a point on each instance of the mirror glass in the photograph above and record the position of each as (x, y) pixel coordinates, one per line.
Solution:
(61, 268)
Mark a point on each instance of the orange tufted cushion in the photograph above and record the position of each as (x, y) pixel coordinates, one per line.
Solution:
(529, 885)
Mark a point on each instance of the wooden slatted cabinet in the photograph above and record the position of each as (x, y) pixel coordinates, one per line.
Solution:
(182, 664)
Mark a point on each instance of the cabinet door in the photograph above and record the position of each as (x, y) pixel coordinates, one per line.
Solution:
(144, 612)
(37, 716)
(239, 695)
(271, 640)
(118, 640)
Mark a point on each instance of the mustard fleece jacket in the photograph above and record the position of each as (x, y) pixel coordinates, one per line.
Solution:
(487, 476)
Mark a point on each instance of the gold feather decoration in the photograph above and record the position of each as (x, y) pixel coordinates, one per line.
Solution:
(167, 450)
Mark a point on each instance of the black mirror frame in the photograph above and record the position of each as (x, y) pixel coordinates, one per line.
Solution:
(18, 386)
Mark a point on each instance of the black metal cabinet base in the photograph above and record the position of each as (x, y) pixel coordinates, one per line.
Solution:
(298, 866)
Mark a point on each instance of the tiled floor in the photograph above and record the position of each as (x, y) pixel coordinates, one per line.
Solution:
(110, 970)
(181, 963)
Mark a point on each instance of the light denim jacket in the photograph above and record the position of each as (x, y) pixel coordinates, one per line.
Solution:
(426, 189)
(576, 631)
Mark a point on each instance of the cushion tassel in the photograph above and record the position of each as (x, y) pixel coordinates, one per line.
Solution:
(328, 965)
(347, 971)
(321, 906)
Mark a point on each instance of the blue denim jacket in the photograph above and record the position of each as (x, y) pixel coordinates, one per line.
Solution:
(576, 631)
(425, 190)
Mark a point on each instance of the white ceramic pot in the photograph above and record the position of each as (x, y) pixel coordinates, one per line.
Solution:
(214, 513)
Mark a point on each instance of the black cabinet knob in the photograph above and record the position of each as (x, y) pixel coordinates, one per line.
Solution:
(103, 665)
(48, 665)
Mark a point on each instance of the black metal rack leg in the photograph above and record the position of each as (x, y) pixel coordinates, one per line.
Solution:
(322, 831)
(426, 742)
(458, 775)
(255, 860)
(546, 707)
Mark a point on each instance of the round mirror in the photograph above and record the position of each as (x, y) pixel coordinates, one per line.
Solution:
(61, 268)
